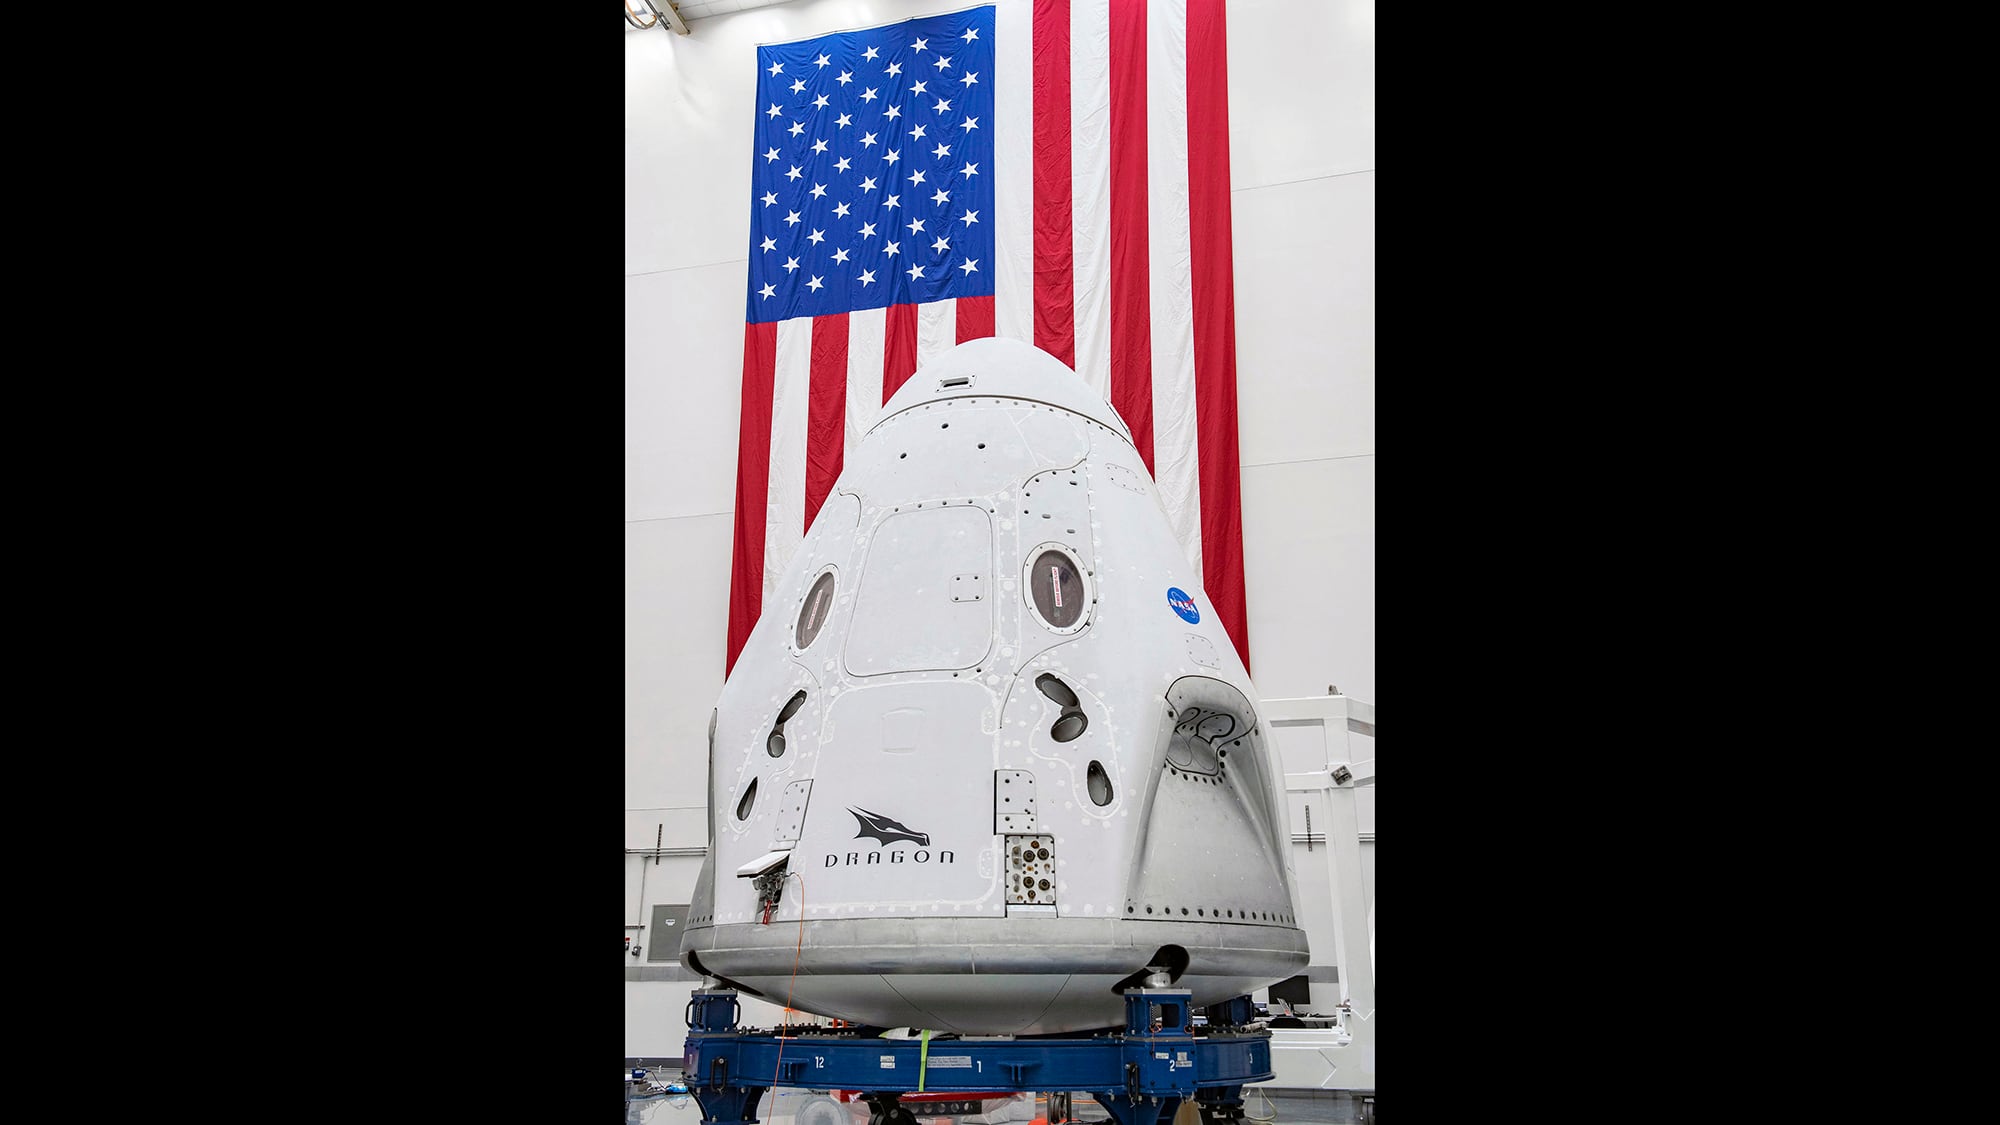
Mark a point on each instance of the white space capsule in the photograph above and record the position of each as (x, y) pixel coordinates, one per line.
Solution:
(988, 753)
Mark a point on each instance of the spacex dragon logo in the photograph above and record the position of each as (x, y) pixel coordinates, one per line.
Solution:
(887, 831)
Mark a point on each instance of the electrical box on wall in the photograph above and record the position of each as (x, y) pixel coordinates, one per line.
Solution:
(663, 937)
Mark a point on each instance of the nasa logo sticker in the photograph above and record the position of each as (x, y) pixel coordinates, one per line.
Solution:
(1183, 605)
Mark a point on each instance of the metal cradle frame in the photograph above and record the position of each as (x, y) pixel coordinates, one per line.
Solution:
(1140, 1075)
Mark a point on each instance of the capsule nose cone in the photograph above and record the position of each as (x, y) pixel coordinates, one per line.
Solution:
(999, 367)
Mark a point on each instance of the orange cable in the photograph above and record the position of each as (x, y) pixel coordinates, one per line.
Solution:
(796, 951)
(640, 26)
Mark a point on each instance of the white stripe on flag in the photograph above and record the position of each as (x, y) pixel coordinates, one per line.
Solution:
(1176, 459)
(1014, 183)
(1090, 175)
(785, 518)
(937, 330)
(864, 375)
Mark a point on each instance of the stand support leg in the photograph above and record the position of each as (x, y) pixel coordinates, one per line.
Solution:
(727, 1105)
(1220, 1105)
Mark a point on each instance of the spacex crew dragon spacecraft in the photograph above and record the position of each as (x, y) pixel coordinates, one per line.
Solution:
(988, 754)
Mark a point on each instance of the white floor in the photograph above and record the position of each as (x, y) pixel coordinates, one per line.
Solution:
(1261, 1107)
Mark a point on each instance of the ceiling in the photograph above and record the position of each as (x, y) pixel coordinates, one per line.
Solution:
(697, 9)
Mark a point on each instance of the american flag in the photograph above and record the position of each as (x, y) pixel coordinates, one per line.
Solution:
(1055, 171)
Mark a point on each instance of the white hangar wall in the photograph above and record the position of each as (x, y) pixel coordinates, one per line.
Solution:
(1302, 161)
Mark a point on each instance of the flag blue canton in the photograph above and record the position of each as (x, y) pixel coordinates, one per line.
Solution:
(873, 172)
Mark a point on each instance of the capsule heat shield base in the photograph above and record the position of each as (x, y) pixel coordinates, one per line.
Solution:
(988, 976)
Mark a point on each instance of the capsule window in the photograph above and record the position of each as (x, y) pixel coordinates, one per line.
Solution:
(1055, 583)
(813, 614)
(1098, 784)
(748, 799)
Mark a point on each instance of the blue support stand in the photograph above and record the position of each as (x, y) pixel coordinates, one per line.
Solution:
(1140, 1075)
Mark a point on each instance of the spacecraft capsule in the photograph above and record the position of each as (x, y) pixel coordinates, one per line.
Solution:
(969, 770)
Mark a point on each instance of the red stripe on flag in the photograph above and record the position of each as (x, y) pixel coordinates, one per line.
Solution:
(975, 318)
(826, 411)
(899, 348)
(1131, 275)
(1210, 251)
(753, 474)
(1055, 251)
